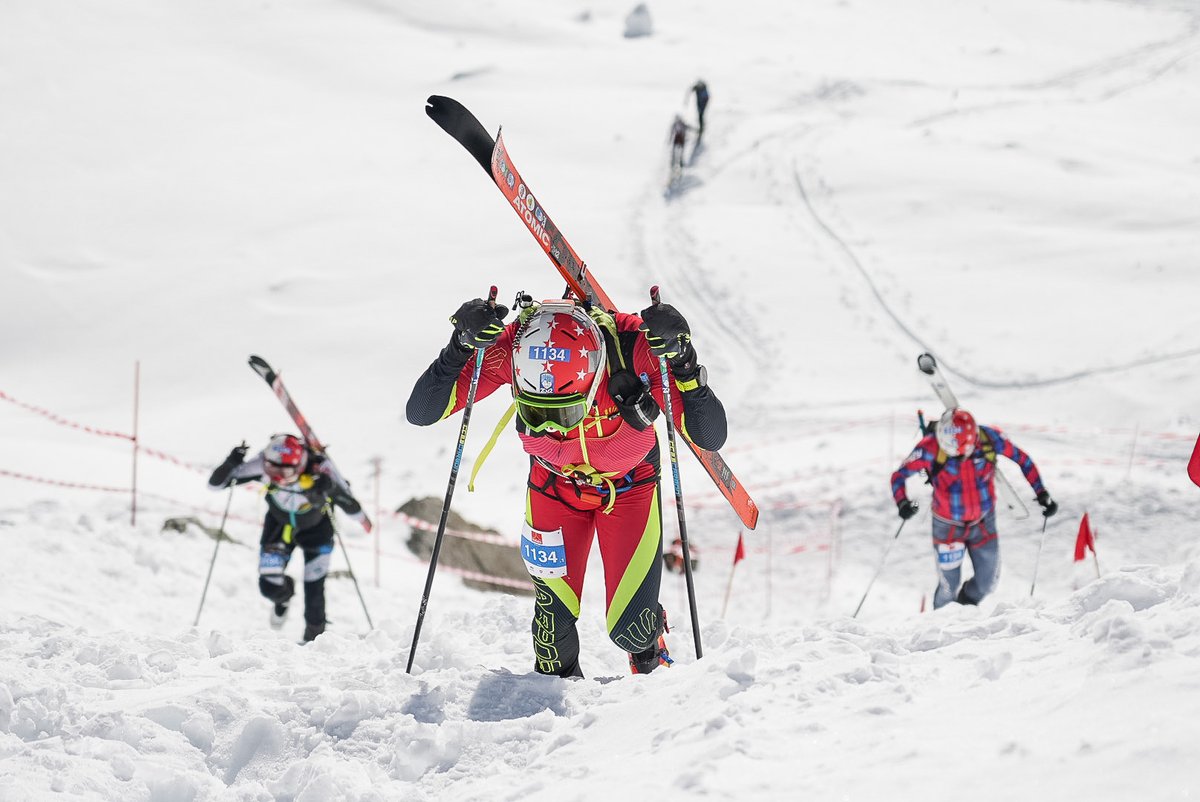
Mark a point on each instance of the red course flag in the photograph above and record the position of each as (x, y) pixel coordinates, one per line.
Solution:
(1084, 540)
(1194, 465)
(740, 554)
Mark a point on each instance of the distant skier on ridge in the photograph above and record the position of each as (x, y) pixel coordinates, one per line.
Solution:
(701, 90)
(300, 486)
(679, 131)
(960, 459)
(582, 388)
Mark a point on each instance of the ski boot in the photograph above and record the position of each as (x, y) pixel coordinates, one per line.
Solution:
(278, 615)
(311, 631)
(657, 655)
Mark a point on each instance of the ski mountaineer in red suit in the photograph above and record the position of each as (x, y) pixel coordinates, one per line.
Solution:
(587, 388)
(959, 458)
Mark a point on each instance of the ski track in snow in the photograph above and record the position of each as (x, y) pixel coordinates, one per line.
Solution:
(677, 245)
(950, 366)
(701, 289)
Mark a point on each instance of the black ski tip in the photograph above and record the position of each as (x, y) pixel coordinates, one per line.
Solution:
(261, 367)
(456, 120)
(927, 364)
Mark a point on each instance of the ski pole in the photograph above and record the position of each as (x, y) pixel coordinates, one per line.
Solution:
(683, 538)
(1012, 496)
(213, 561)
(1037, 559)
(441, 530)
(882, 562)
(350, 568)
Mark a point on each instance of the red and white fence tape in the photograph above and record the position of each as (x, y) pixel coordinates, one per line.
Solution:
(165, 457)
(61, 421)
(482, 537)
(463, 572)
(60, 483)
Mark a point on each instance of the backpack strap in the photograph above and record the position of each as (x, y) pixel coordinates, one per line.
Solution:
(612, 340)
(989, 448)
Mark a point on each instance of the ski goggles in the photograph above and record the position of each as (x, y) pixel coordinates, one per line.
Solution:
(560, 413)
(281, 473)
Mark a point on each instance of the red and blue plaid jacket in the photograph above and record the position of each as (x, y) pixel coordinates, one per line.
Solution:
(963, 488)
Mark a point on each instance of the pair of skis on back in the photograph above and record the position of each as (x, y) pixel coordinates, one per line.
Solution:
(456, 120)
(275, 382)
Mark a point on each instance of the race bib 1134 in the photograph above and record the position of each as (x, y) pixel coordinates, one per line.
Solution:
(543, 552)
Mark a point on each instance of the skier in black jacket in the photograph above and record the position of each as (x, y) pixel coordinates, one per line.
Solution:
(301, 485)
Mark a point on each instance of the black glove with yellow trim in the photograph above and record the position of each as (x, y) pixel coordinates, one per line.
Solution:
(478, 323)
(667, 333)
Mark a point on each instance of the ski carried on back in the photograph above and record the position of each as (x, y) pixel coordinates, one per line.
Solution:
(929, 366)
(275, 382)
(456, 120)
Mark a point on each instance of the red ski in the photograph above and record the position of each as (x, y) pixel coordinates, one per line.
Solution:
(273, 380)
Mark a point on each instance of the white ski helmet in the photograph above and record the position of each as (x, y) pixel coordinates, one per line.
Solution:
(285, 458)
(957, 432)
(558, 356)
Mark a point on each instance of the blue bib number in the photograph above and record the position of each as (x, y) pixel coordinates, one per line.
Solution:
(543, 552)
(950, 555)
(271, 563)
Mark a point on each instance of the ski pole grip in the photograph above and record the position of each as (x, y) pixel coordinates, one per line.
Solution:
(492, 296)
(655, 300)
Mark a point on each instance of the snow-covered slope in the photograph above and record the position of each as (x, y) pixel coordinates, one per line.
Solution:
(1014, 187)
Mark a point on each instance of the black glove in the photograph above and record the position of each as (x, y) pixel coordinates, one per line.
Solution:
(633, 398)
(348, 504)
(668, 334)
(1049, 505)
(906, 509)
(477, 323)
(221, 474)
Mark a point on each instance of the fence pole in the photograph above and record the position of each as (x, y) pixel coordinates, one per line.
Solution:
(1132, 450)
(770, 567)
(137, 376)
(377, 462)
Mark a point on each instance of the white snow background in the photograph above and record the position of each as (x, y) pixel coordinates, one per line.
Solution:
(1015, 186)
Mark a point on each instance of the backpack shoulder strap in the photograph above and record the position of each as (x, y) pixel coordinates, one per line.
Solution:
(620, 354)
(989, 448)
(939, 462)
